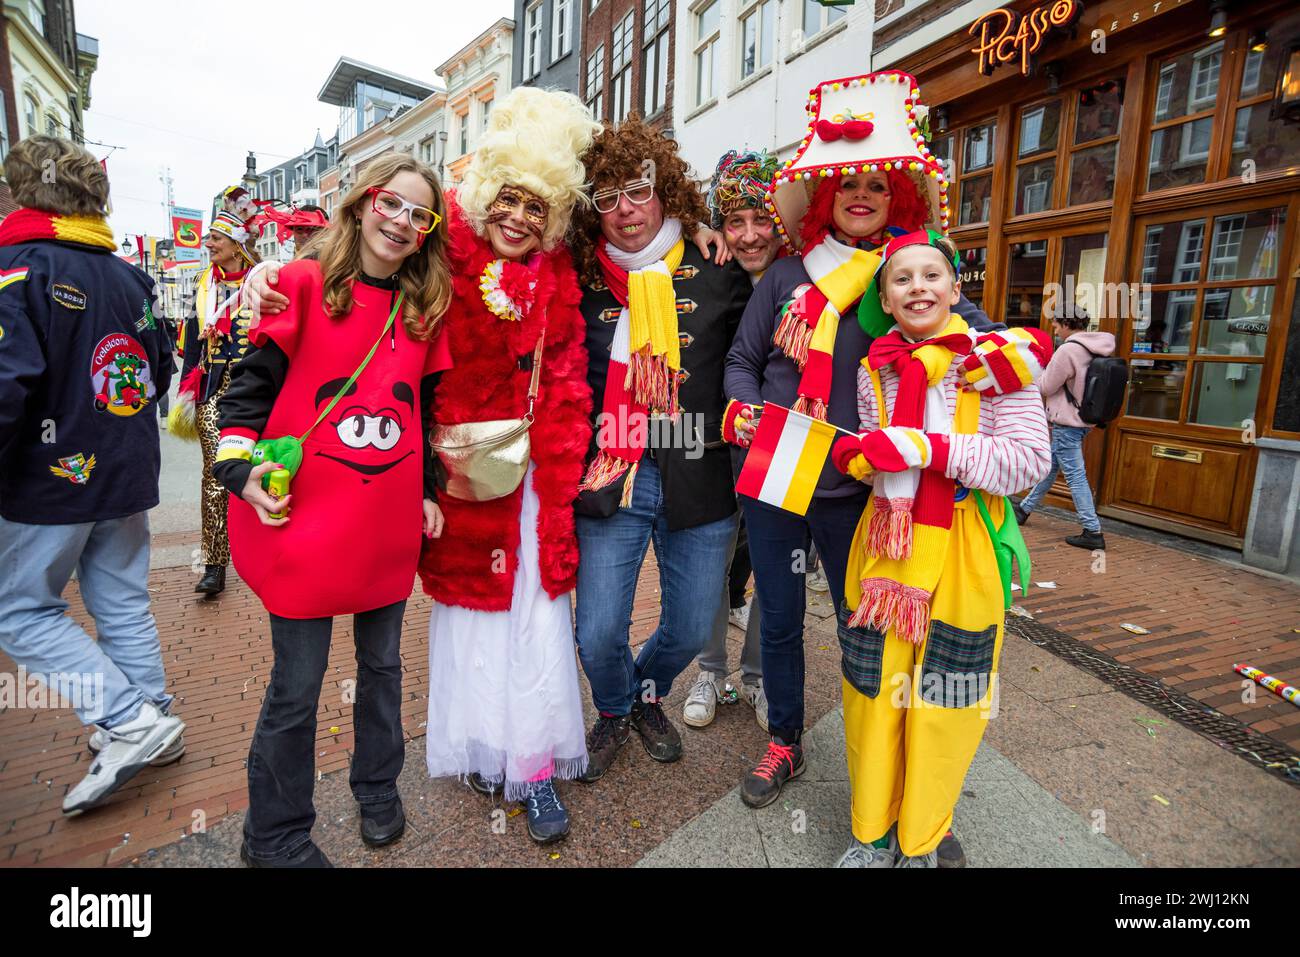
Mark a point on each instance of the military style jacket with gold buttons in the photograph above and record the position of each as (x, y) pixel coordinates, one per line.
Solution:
(695, 468)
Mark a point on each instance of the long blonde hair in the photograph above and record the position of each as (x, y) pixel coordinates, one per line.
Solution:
(424, 277)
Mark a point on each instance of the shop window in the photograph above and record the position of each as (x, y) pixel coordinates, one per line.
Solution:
(1186, 89)
(973, 177)
(1026, 279)
(1286, 417)
(1259, 145)
(1083, 285)
(1211, 306)
(1039, 137)
(973, 267)
(1097, 111)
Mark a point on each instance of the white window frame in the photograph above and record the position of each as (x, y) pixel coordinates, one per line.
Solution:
(654, 56)
(594, 77)
(1191, 240)
(31, 114)
(755, 9)
(1225, 248)
(705, 52)
(485, 113)
(533, 40)
(1200, 70)
(561, 24)
(620, 67)
(827, 16)
(462, 120)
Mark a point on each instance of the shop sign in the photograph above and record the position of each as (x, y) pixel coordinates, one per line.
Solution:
(1006, 37)
(1139, 13)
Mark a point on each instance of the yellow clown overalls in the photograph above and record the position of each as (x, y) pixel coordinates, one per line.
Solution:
(914, 714)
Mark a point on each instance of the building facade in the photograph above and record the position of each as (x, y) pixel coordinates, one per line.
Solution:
(476, 76)
(548, 45)
(294, 182)
(49, 70)
(745, 67)
(1134, 161)
(628, 49)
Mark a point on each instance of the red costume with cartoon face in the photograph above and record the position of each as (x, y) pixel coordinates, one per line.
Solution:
(357, 497)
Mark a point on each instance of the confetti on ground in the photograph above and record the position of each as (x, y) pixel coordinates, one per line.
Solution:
(1161, 800)
(1015, 587)
(515, 813)
(823, 647)
(636, 824)
(1035, 668)
(1020, 612)
(554, 855)
(335, 730)
(1134, 629)
(1045, 584)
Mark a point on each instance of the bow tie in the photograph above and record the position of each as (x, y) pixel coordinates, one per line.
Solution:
(830, 131)
(892, 347)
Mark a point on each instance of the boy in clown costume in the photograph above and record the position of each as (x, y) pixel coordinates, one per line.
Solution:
(924, 593)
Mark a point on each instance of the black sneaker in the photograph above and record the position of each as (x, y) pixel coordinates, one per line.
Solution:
(662, 741)
(309, 855)
(762, 785)
(1089, 540)
(382, 824)
(604, 739)
(1021, 515)
(484, 786)
(950, 852)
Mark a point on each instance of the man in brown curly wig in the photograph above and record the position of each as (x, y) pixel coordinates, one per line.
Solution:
(660, 318)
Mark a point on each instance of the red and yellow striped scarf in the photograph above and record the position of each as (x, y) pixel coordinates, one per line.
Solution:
(807, 326)
(24, 225)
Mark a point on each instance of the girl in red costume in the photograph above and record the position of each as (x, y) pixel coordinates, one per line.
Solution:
(348, 367)
(504, 702)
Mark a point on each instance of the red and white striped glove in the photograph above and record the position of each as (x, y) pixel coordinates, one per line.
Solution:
(897, 449)
(1007, 361)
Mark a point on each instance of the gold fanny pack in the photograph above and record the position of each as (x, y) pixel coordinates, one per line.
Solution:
(487, 460)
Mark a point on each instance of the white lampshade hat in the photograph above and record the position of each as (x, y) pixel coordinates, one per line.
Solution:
(861, 124)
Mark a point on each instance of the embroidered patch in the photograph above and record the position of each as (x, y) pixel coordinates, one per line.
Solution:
(862, 650)
(10, 276)
(75, 468)
(119, 375)
(68, 296)
(146, 320)
(958, 665)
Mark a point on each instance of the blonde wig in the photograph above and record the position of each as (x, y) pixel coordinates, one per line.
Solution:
(535, 141)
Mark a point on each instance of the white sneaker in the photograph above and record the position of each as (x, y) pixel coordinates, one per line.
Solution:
(816, 580)
(131, 746)
(99, 740)
(702, 702)
(740, 616)
(757, 699)
(868, 855)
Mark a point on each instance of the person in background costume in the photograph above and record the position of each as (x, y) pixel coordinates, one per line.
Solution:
(737, 204)
(337, 385)
(82, 357)
(214, 337)
(505, 708)
(926, 598)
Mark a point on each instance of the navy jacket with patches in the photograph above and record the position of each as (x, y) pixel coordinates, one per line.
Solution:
(71, 330)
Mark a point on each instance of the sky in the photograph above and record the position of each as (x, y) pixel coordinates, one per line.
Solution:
(193, 86)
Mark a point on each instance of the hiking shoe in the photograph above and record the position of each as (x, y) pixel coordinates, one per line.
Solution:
(923, 860)
(382, 824)
(548, 818)
(1089, 540)
(99, 740)
(762, 785)
(604, 739)
(950, 852)
(816, 580)
(868, 855)
(702, 702)
(757, 699)
(484, 786)
(1021, 515)
(309, 855)
(740, 616)
(661, 740)
(130, 748)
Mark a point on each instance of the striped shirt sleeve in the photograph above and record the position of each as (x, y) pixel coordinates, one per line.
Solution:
(1012, 450)
(868, 421)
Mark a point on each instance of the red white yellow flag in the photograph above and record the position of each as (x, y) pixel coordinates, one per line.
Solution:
(786, 459)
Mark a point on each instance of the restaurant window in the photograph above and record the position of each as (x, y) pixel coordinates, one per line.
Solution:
(1082, 288)
(1206, 321)
(1097, 111)
(974, 262)
(706, 52)
(1036, 156)
(1286, 417)
(972, 177)
(1256, 141)
(1026, 279)
(1186, 88)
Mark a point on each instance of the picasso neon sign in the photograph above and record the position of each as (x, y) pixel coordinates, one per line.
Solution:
(1005, 36)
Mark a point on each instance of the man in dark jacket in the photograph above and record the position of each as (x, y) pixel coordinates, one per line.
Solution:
(660, 318)
(82, 360)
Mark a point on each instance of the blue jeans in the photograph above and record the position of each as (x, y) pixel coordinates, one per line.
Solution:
(692, 576)
(778, 545)
(282, 757)
(1067, 455)
(107, 680)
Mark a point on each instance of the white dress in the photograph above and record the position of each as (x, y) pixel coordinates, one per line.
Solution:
(504, 699)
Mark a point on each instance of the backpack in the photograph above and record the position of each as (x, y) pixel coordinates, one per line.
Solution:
(1104, 386)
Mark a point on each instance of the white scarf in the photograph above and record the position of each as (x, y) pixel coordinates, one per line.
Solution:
(656, 250)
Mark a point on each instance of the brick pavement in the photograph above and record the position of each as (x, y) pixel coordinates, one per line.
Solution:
(1203, 615)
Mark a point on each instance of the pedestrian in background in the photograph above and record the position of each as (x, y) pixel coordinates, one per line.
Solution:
(1062, 386)
(82, 357)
